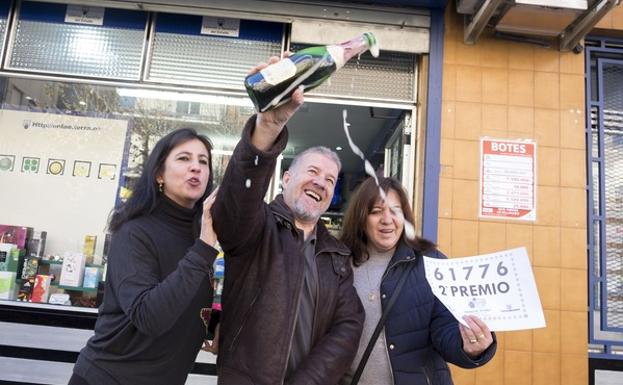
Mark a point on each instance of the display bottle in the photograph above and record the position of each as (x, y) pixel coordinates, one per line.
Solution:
(310, 67)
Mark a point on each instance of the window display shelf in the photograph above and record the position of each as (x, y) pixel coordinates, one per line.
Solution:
(85, 289)
(20, 280)
(74, 288)
(48, 262)
(37, 305)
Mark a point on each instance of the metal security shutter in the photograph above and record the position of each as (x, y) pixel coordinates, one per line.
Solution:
(4, 17)
(113, 50)
(390, 77)
(181, 54)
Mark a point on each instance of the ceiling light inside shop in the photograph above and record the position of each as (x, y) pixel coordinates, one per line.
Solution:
(184, 96)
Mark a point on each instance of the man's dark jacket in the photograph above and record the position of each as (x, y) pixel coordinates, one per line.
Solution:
(421, 333)
(264, 269)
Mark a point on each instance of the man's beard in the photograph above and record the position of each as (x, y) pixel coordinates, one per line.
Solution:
(304, 214)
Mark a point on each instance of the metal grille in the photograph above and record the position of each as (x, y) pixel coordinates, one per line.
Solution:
(78, 50)
(206, 60)
(613, 156)
(3, 24)
(604, 97)
(389, 77)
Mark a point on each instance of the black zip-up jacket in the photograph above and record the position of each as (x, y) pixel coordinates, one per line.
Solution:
(264, 265)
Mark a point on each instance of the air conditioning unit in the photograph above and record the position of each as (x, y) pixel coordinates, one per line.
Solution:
(565, 22)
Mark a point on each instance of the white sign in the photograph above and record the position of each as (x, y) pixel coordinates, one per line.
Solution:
(499, 288)
(61, 175)
(507, 179)
(220, 26)
(78, 14)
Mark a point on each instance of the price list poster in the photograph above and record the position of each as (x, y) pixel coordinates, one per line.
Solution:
(507, 179)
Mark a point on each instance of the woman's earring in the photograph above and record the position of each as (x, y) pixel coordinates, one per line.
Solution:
(160, 185)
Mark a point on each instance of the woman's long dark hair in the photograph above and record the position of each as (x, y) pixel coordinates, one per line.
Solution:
(146, 196)
(361, 204)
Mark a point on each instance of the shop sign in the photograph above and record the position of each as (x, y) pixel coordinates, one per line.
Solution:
(507, 179)
(220, 26)
(78, 14)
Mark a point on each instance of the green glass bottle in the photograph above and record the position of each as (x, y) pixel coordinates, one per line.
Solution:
(310, 67)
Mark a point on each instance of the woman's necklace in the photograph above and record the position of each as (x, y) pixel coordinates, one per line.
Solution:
(374, 289)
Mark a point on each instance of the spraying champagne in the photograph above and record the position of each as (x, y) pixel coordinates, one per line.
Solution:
(310, 67)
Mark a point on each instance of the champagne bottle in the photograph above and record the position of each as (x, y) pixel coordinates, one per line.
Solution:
(310, 67)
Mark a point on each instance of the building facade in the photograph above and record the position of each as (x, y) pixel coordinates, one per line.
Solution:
(131, 72)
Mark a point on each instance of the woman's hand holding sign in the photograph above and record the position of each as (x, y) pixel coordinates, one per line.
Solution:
(476, 338)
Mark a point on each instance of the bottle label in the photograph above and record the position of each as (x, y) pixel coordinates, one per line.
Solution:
(278, 72)
(337, 53)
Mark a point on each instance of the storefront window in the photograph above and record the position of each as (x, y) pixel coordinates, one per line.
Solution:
(70, 153)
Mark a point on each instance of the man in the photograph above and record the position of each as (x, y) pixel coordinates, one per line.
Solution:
(290, 312)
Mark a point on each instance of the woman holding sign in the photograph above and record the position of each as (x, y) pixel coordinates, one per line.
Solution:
(408, 333)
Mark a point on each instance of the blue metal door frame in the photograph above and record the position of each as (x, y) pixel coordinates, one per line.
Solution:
(606, 340)
(603, 277)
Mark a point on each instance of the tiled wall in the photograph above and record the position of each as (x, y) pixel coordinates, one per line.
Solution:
(613, 20)
(504, 89)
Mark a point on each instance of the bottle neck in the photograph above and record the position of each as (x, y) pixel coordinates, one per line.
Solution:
(355, 47)
(343, 52)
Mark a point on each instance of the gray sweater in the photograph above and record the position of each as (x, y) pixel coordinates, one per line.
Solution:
(367, 281)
